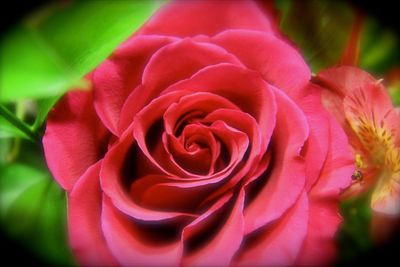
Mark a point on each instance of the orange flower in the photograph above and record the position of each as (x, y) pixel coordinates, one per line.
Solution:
(363, 107)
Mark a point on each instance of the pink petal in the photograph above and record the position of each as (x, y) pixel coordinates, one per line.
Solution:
(371, 101)
(157, 192)
(236, 144)
(279, 63)
(201, 103)
(333, 103)
(171, 64)
(84, 221)
(145, 119)
(197, 151)
(111, 176)
(244, 88)
(259, 140)
(319, 248)
(206, 17)
(120, 74)
(221, 249)
(129, 244)
(344, 79)
(74, 139)
(287, 179)
(338, 167)
(386, 196)
(316, 148)
(280, 243)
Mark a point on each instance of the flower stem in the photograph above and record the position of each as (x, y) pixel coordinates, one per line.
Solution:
(23, 127)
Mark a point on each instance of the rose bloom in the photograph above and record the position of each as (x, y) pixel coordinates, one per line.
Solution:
(201, 143)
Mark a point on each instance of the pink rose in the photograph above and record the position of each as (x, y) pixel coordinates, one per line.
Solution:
(201, 143)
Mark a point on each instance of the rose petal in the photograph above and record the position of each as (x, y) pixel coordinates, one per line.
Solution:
(221, 249)
(128, 244)
(74, 138)
(157, 192)
(120, 74)
(244, 88)
(316, 148)
(84, 215)
(112, 183)
(196, 151)
(147, 117)
(287, 178)
(319, 248)
(174, 62)
(206, 17)
(338, 167)
(280, 245)
(237, 143)
(202, 103)
(279, 63)
(259, 140)
(161, 159)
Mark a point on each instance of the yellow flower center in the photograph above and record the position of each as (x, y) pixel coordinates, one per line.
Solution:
(379, 145)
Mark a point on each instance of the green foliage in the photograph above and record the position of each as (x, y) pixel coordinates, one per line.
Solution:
(33, 207)
(11, 124)
(354, 237)
(394, 92)
(7, 129)
(380, 48)
(319, 28)
(53, 49)
(43, 108)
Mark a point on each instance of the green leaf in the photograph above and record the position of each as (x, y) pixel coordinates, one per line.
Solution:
(12, 124)
(44, 107)
(7, 129)
(14, 180)
(320, 28)
(52, 50)
(33, 211)
(5, 148)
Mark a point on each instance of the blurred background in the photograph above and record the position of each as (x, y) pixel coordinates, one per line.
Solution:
(32, 238)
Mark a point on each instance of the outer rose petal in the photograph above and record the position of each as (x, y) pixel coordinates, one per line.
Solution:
(84, 221)
(220, 250)
(338, 167)
(206, 17)
(287, 178)
(119, 75)
(278, 62)
(127, 245)
(280, 245)
(316, 148)
(319, 247)
(74, 138)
